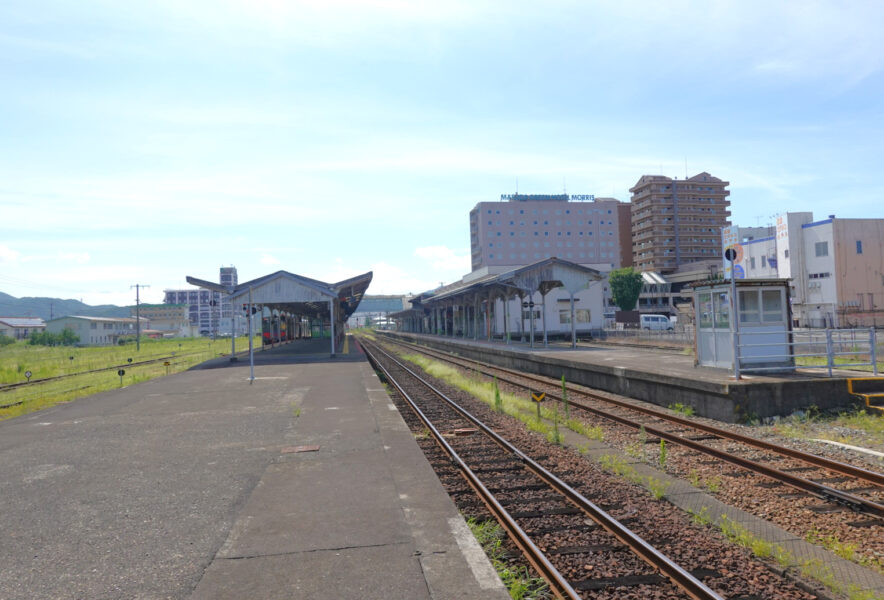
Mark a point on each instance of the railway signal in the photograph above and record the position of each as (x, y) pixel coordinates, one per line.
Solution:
(121, 372)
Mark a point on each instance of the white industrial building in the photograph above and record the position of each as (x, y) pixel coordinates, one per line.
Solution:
(835, 267)
(96, 331)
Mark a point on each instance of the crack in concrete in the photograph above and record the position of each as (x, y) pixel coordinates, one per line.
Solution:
(295, 552)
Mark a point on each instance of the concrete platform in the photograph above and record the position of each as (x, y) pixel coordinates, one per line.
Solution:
(351, 509)
(305, 483)
(663, 378)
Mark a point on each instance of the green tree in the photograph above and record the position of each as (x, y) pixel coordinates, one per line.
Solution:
(45, 338)
(626, 285)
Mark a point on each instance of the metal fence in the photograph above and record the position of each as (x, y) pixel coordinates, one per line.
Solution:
(858, 345)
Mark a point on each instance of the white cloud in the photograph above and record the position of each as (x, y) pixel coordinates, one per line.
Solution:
(443, 258)
(77, 257)
(267, 259)
(8, 255)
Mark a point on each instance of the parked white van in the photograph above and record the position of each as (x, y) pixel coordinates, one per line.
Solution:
(655, 322)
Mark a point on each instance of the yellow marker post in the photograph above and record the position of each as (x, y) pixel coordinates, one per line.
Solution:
(538, 397)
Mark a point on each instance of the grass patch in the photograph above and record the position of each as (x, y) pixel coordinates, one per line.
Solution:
(518, 581)
(811, 569)
(845, 550)
(867, 428)
(680, 408)
(619, 467)
(55, 361)
(593, 432)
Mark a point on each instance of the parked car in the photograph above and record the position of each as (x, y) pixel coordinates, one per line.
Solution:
(655, 322)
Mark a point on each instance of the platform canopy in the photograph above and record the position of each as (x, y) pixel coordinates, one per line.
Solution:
(541, 276)
(296, 294)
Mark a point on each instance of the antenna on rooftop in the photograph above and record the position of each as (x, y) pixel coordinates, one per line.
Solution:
(686, 166)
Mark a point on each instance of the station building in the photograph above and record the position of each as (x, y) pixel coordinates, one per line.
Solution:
(548, 298)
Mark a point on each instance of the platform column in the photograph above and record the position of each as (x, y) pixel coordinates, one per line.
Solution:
(506, 318)
(521, 317)
(331, 312)
(573, 323)
(476, 317)
(489, 324)
(531, 316)
(543, 316)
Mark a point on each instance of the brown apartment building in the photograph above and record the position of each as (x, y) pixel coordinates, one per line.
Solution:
(677, 222)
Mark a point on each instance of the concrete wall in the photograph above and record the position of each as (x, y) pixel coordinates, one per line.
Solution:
(732, 402)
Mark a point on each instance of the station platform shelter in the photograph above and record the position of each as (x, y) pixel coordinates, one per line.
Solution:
(527, 302)
(294, 302)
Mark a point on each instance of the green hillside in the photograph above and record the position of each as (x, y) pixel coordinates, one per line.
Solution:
(11, 306)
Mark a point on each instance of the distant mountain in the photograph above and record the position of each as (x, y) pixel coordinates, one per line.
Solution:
(43, 307)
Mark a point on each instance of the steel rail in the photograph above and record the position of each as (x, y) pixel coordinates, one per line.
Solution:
(557, 582)
(819, 461)
(822, 491)
(659, 561)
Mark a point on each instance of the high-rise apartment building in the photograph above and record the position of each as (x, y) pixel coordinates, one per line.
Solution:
(677, 222)
(210, 312)
(523, 229)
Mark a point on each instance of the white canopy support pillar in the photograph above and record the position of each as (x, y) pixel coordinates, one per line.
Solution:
(475, 316)
(543, 317)
(489, 323)
(573, 321)
(506, 317)
(331, 319)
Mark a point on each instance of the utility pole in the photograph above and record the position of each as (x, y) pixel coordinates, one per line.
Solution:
(138, 287)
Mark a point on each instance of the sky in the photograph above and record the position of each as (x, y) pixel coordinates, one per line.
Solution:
(141, 142)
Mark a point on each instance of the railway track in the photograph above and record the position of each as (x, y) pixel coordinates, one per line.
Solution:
(7, 387)
(576, 545)
(691, 434)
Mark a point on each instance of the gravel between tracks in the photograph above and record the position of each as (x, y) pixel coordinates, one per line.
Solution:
(732, 571)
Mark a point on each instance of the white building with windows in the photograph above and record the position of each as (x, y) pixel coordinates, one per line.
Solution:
(210, 312)
(19, 328)
(96, 331)
(835, 267)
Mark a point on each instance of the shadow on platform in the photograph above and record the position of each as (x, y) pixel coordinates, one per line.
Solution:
(309, 350)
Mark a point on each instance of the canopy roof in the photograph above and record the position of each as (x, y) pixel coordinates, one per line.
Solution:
(541, 276)
(295, 294)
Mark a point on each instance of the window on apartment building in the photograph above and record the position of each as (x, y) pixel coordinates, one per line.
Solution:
(859, 246)
(751, 262)
(822, 248)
